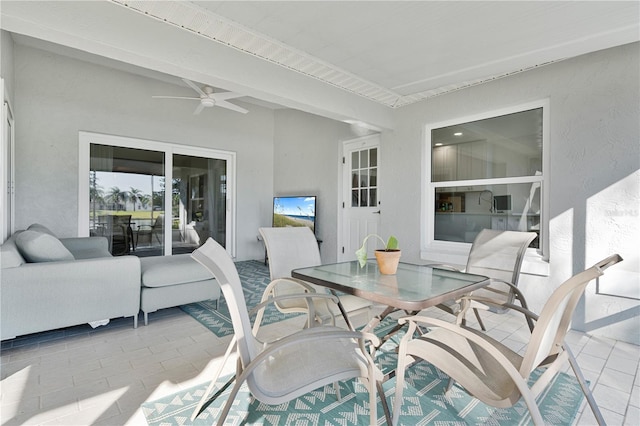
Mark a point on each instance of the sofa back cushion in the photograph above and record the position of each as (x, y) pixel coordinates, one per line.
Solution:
(41, 247)
(40, 228)
(10, 256)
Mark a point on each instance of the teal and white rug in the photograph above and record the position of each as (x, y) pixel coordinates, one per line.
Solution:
(254, 276)
(425, 403)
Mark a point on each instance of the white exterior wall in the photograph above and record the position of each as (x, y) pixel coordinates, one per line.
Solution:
(593, 181)
(56, 97)
(307, 162)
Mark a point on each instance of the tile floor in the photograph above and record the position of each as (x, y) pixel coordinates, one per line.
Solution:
(80, 376)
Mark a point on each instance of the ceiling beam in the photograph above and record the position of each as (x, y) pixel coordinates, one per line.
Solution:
(112, 31)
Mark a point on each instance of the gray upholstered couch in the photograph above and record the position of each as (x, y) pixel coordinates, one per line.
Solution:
(48, 283)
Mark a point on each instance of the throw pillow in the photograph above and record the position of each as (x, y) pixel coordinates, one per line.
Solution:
(41, 247)
(40, 228)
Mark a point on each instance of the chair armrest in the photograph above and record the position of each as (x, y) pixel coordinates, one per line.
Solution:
(465, 303)
(258, 310)
(304, 288)
(467, 334)
(307, 296)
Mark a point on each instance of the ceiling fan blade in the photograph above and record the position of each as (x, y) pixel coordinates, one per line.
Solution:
(223, 96)
(194, 87)
(198, 109)
(229, 105)
(174, 97)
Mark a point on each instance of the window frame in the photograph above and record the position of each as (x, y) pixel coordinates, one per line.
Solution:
(169, 149)
(456, 252)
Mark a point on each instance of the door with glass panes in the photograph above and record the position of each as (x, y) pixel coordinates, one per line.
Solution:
(361, 202)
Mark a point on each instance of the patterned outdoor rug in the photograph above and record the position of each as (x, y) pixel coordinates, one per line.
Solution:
(254, 276)
(424, 403)
(424, 399)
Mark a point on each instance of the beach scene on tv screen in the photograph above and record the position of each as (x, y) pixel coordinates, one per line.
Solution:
(294, 211)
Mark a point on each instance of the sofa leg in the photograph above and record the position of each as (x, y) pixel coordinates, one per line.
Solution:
(135, 321)
(146, 318)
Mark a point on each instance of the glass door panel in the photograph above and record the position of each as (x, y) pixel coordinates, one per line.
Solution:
(126, 195)
(198, 203)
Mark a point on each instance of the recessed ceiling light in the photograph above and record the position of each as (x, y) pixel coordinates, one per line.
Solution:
(438, 144)
(457, 134)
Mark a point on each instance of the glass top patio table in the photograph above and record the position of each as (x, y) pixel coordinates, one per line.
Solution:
(412, 288)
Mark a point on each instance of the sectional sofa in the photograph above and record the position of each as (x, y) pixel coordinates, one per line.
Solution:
(48, 283)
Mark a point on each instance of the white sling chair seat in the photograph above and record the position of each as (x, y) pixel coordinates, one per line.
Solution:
(294, 365)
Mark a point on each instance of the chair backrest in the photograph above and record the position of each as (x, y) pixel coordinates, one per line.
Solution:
(289, 248)
(121, 223)
(158, 224)
(498, 254)
(555, 319)
(215, 258)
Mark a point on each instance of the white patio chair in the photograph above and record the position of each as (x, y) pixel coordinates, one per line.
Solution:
(497, 255)
(488, 370)
(289, 248)
(294, 365)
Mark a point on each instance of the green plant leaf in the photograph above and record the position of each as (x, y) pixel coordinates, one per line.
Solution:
(361, 255)
(392, 243)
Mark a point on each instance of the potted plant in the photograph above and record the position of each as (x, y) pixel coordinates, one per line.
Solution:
(388, 257)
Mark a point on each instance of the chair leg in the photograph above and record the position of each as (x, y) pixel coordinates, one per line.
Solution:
(475, 311)
(146, 318)
(228, 403)
(449, 385)
(397, 403)
(336, 387)
(383, 400)
(203, 400)
(584, 386)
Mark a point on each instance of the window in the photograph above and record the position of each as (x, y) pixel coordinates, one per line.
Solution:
(364, 178)
(151, 198)
(485, 171)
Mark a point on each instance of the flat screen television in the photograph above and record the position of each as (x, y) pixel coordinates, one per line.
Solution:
(295, 211)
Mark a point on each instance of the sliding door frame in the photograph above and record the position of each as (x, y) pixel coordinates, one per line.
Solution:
(169, 149)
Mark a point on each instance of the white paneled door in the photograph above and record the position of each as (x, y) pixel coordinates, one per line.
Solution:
(360, 194)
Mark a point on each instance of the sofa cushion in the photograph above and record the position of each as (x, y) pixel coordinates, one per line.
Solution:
(40, 228)
(162, 271)
(41, 247)
(10, 256)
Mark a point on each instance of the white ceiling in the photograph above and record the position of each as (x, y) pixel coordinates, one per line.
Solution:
(343, 59)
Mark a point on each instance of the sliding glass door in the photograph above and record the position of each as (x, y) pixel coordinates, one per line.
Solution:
(198, 201)
(151, 198)
(126, 196)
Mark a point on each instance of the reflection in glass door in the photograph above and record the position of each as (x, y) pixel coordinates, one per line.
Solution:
(198, 203)
(126, 195)
(122, 189)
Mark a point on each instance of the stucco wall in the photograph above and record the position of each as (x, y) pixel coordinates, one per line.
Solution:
(593, 181)
(57, 96)
(6, 63)
(307, 162)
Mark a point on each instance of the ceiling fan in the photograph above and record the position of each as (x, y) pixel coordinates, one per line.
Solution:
(209, 99)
